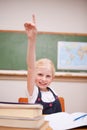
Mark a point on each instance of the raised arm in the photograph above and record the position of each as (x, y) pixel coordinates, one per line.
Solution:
(31, 32)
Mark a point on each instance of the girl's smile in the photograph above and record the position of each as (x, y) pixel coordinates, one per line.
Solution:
(43, 77)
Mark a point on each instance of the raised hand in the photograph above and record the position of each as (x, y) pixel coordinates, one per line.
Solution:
(31, 29)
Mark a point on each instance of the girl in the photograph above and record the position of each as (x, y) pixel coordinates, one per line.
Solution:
(40, 75)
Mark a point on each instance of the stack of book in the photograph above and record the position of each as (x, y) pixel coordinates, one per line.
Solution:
(15, 115)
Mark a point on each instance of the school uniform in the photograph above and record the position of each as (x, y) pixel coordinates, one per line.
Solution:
(50, 105)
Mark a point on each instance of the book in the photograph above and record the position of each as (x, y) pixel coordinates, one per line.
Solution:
(9, 121)
(20, 110)
(21, 115)
(44, 126)
(65, 121)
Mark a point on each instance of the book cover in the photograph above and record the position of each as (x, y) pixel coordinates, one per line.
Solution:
(20, 110)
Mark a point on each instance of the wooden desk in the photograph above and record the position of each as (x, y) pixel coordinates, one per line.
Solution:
(44, 127)
(9, 128)
(81, 128)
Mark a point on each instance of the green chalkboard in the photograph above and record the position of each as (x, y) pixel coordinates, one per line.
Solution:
(13, 47)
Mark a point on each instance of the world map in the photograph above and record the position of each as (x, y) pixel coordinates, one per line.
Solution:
(72, 55)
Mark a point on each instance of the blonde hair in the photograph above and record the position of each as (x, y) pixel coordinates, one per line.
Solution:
(42, 62)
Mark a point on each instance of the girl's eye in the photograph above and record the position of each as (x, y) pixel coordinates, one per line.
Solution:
(40, 74)
(48, 76)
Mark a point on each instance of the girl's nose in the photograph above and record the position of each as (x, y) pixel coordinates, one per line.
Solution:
(43, 78)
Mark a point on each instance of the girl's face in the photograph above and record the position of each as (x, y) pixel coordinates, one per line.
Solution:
(43, 77)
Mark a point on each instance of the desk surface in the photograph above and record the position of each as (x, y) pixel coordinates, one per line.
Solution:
(81, 128)
(5, 128)
(47, 127)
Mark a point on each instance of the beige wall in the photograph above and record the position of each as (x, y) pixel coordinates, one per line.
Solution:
(51, 15)
(74, 93)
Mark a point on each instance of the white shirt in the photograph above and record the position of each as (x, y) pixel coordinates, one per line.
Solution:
(47, 96)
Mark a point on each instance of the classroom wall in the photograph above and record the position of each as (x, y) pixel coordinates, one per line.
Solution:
(74, 93)
(52, 16)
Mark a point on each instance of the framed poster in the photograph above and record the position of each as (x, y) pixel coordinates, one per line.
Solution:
(72, 56)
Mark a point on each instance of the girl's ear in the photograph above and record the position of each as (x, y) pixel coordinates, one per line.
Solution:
(52, 78)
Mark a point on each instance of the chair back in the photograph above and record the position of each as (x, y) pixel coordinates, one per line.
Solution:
(61, 99)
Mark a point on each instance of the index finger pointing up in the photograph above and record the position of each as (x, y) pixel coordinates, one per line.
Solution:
(33, 18)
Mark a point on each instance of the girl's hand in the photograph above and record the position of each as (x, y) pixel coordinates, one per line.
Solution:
(31, 29)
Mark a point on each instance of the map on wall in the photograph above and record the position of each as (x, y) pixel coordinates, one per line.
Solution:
(72, 55)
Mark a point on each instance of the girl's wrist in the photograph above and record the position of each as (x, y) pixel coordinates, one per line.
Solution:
(32, 40)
